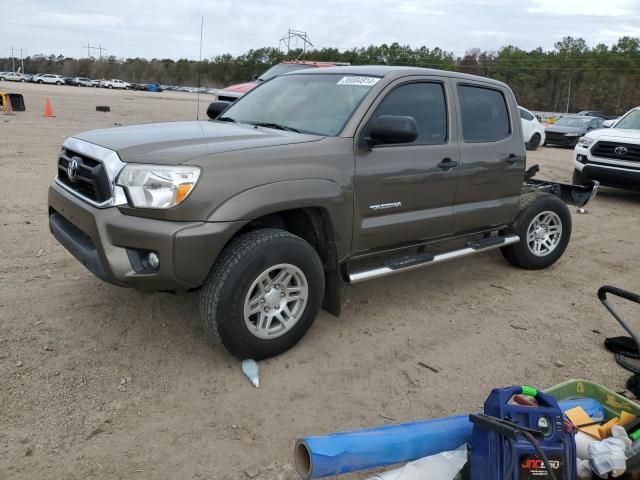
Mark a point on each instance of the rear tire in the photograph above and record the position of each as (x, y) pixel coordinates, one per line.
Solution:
(534, 142)
(263, 293)
(544, 228)
(40, 82)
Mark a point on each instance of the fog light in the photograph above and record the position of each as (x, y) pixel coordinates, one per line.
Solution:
(581, 158)
(153, 260)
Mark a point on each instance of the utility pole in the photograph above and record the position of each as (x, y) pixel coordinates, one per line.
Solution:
(295, 35)
(13, 60)
(89, 47)
(100, 51)
(22, 58)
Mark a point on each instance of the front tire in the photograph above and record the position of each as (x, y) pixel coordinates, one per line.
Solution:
(263, 293)
(544, 228)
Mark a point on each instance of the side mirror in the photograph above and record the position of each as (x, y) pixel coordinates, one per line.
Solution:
(392, 129)
(216, 108)
(608, 123)
(255, 77)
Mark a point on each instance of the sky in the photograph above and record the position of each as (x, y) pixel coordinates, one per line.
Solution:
(171, 28)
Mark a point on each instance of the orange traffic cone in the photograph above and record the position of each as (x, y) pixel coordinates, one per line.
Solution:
(48, 109)
(8, 109)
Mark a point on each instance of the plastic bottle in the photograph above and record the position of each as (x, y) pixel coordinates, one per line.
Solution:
(250, 369)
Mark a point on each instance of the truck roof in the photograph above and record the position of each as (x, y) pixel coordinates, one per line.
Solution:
(393, 72)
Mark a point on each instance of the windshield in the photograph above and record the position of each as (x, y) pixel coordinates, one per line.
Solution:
(631, 121)
(573, 122)
(319, 104)
(280, 69)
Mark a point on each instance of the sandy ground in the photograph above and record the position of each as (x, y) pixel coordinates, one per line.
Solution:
(103, 382)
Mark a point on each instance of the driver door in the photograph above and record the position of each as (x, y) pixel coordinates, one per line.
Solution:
(405, 193)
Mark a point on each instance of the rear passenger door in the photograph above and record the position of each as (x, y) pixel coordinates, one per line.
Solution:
(492, 155)
(404, 193)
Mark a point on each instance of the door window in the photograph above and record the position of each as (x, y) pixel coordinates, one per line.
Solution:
(525, 115)
(423, 101)
(485, 117)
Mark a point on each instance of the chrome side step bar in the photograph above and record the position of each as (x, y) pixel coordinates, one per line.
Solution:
(408, 264)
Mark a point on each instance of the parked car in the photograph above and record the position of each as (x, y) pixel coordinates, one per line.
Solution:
(568, 129)
(49, 78)
(12, 77)
(591, 113)
(233, 92)
(115, 83)
(611, 155)
(532, 129)
(82, 82)
(69, 81)
(313, 179)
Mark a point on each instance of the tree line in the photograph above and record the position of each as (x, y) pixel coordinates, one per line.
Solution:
(572, 76)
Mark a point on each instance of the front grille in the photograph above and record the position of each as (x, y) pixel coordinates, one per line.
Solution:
(91, 179)
(626, 151)
(556, 137)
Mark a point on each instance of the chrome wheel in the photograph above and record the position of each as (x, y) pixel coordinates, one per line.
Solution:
(275, 301)
(544, 233)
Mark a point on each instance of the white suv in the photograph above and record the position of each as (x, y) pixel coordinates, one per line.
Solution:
(114, 83)
(49, 78)
(12, 77)
(611, 155)
(532, 129)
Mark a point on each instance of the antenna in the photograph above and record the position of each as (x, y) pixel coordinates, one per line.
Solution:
(200, 69)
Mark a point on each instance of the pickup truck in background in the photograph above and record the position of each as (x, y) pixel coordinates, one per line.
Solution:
(313, 179)
(610, 155)
(115, 83)
(234, 92)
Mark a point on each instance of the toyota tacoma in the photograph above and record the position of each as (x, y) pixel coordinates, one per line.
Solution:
(314, 179)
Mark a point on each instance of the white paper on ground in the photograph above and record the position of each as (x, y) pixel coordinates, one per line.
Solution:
(442, 466)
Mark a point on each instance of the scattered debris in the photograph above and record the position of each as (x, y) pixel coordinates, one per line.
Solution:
(429, 367)
(48, 348)
(94, 432)
(40, 252)
(597, 332)
(387, 418)
(19, 363)
(103, 108)
(28, 452)
(122, 388)
(518, 327)
(250, 369)
(117, 124)
(558, 363)
(502, 287)
(252, 472)
(583, 211)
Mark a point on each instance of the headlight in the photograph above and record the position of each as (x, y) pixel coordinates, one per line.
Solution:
(586, 142)
(572, 134)
(157, 186)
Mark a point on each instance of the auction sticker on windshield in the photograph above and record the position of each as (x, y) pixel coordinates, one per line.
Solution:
(358, 81)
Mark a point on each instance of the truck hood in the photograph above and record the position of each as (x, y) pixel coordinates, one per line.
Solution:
(241, 87)
(563, 129)
(615, 134)
(178, 142)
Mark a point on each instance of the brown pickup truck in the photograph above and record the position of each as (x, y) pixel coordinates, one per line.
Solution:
(314, 179)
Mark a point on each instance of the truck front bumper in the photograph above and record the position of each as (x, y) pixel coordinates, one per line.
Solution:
(113, 246)
(609, 175)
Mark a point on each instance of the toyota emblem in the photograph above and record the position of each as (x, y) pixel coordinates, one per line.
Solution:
(72, 169)
(622, 151)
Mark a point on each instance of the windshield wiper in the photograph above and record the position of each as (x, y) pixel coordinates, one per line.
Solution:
(277, 126)
(226, 119)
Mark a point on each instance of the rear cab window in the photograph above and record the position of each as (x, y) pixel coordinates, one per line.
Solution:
(484, 114)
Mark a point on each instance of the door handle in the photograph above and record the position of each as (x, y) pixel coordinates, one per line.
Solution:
(512, 159)
(447, 164)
